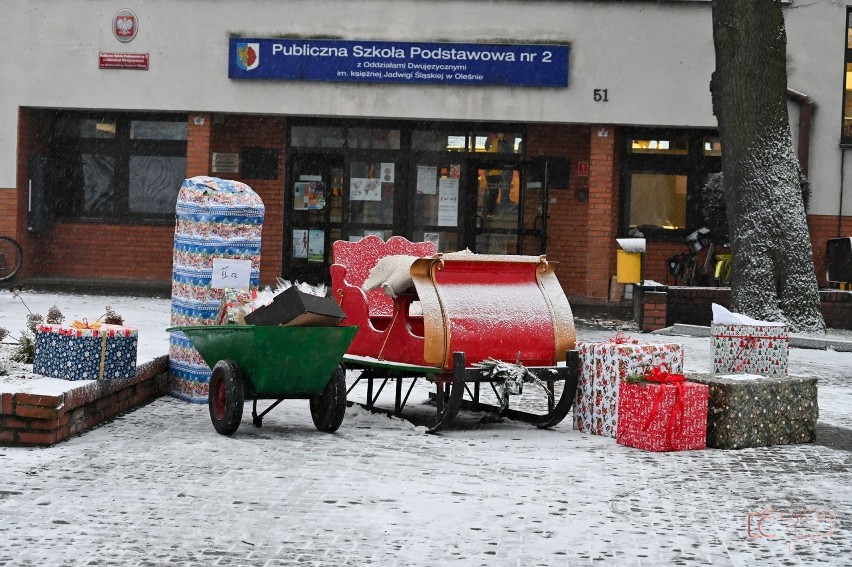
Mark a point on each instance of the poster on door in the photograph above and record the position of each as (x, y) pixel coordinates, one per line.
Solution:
(316, 245)
(365, 189)
(427, 178)
(300, 243)
(434, 238)
(448, 202)
(309, 195)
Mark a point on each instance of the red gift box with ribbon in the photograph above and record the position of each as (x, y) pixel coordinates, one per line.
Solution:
(663, 412)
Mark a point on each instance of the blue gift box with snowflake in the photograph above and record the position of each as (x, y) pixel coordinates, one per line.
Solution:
(70, 353)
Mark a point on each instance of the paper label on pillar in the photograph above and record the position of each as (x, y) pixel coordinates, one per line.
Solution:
(230, 273)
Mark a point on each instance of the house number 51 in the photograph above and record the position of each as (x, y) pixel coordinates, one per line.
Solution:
(601, 95)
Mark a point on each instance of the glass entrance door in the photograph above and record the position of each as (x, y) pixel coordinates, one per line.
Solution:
(498, 206)
(459, 186)
(370, 185)
(511, 211)
(315, 197)
(437, 210)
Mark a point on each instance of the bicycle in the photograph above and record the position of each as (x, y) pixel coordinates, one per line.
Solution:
(11, 258)
(686, 265)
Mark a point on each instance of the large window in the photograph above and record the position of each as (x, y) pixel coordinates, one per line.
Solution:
(118, 166)
(663, 173)
(846, 132)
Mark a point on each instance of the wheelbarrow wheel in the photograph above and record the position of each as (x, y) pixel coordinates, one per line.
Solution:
(226, 397)
(328, 408)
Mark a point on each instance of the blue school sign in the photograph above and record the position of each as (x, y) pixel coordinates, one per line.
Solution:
(515, 65)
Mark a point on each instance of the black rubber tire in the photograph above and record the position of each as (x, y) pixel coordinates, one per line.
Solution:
(328, 408)
(226, 397)
(11, 258)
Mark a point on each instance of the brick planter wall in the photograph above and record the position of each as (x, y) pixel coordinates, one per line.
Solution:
(663, 307)
(42, 420)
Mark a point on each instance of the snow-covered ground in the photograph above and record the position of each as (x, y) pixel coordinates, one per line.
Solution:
(158, 485)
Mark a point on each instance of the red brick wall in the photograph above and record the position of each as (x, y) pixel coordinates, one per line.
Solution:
(198, 144)
(109, 251)
(42, 420)
(8, 212)
(693, 306)
(566, 225)
(238, 132)
(603, 212)
(654, 310)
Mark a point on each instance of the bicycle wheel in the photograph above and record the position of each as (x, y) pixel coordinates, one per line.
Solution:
(11, 258)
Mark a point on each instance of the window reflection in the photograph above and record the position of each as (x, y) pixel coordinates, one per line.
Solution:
(120, 166)
(849, 29)
(73, 127)
(317, 137)
(373, 138)
(712, 146)
(154, 183)
(433, 141)
(675, 145)
(498, 142)
(847, 102)
(98, 181)
(658, 200)
(157, 130)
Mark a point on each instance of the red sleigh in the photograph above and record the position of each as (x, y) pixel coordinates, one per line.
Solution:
(461, 309)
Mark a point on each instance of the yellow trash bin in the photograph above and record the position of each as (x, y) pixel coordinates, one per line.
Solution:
(628, 267)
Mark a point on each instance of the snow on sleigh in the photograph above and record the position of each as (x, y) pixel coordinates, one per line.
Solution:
(465, 322)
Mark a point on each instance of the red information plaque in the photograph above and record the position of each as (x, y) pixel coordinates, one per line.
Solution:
(123, 61)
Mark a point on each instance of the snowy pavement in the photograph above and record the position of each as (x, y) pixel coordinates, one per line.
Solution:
(159, 485)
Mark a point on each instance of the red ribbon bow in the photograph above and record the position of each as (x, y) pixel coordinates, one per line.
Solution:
(661, 375)
(747, 342)
(621, 339)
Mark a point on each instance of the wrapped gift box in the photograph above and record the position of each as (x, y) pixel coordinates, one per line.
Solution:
(214, 219)
(603, 366)
(106, 353)
(759, 411)
(662, 417)
(750, 349)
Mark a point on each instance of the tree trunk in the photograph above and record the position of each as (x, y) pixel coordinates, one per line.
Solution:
(772, 264)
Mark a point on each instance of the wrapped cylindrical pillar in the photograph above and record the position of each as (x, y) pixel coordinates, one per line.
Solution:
(217, 220)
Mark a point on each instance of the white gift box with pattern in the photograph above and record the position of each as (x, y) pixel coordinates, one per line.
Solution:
(603, 366)
(742, 345)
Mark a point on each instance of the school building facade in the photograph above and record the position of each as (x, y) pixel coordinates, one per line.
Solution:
(504, 127)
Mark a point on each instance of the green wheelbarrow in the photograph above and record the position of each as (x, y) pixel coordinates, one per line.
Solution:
(273, 363)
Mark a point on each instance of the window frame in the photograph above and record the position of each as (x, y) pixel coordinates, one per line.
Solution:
(65, 150)
(846, 139)
(695, 165)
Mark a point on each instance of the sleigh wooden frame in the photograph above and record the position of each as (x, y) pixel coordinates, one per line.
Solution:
(473, 307)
